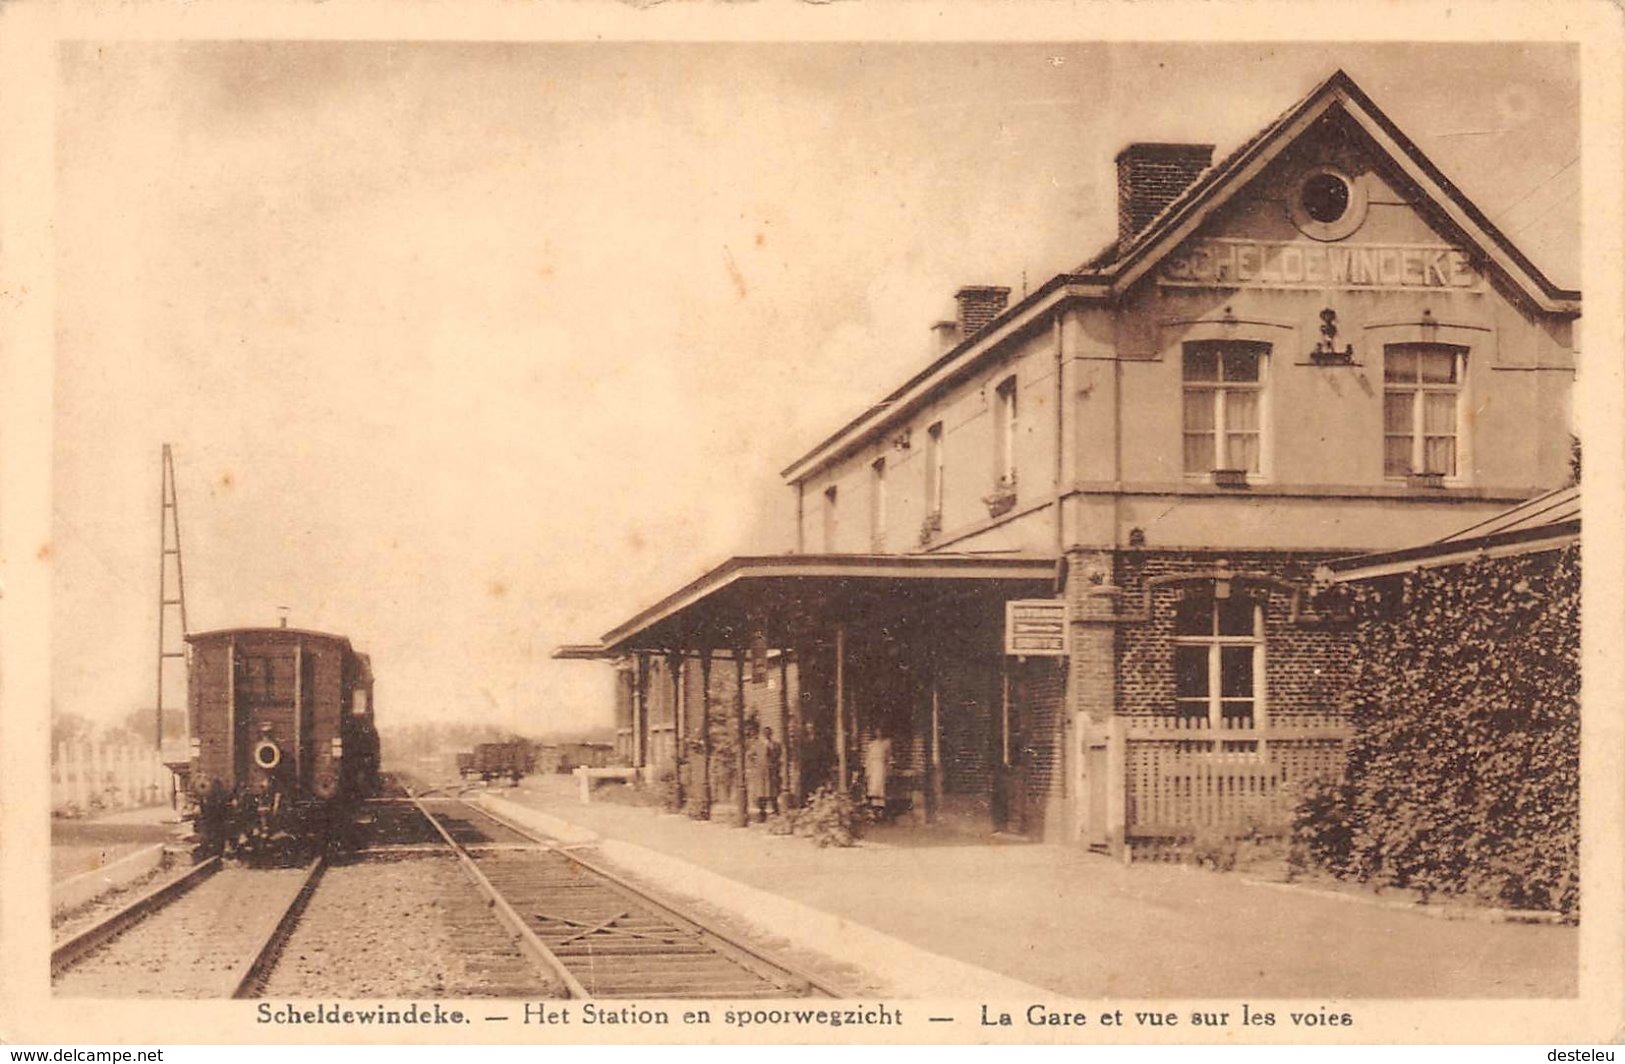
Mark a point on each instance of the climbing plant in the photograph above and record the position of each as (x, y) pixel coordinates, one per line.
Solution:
(1463, 774)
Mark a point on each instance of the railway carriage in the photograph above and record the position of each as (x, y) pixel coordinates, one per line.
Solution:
(283, 736)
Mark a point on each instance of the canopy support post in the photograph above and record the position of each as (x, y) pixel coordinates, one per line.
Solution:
(844, 780)
(704, 810)
(741, 788)
(679, 727)
(785, 738)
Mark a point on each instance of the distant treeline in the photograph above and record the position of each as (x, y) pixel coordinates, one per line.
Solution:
(135, 728)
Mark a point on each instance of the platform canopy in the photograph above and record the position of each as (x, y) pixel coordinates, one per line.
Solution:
(785, 599)
(1546, 522)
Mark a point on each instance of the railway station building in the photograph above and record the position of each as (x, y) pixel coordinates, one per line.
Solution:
(1067, 567)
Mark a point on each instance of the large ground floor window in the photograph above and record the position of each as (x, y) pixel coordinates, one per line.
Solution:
(1219, 659)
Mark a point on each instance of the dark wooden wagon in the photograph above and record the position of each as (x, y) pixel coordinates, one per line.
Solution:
(283, 736)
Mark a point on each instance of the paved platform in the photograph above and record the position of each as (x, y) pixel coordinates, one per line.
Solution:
(83, 845)
(1086, 926)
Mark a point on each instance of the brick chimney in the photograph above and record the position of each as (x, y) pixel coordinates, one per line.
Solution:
(978, 305)
(1149, 176)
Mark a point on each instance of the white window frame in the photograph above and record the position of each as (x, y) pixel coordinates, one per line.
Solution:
(1006, 411)
(1218, 390)
(877, 505)
(1215, 698)
(1418, 391)
(935, 470)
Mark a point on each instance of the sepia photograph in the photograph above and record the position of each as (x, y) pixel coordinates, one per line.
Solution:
(793, 539)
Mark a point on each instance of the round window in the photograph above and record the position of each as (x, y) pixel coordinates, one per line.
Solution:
(1325, 197)
(1327, 204)
(267, 755)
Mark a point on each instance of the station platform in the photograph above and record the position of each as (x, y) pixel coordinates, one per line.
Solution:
(85, 844)
(1059, 919)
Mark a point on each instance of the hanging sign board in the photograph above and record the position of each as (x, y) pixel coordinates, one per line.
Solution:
(1036, 627)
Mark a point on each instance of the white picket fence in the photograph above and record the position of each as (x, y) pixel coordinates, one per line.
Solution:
(89, 779)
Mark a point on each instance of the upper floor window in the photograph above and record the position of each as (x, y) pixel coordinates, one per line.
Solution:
(832, 497)
(934, 469)
(1004, 432)
(1223, 396)
(1421, 396)
(877, 505)
(1219, 659)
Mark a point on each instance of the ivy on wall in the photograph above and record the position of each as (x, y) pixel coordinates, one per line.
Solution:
(1463, 775)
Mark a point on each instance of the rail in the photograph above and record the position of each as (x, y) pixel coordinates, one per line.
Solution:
(81, 945)
(505, 912)
(740, 952)
(250, 977)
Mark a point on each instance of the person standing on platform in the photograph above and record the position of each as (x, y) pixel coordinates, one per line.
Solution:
(876, 768)
(764, 779)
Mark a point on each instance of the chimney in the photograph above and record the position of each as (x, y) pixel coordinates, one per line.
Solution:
(978, 305)
(1149, 177)
(944, 335)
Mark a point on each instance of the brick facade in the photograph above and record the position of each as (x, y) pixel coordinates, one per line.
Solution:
(1306, 660)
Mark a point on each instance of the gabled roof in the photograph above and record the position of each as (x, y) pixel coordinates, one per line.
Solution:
(1546, 522)
(1126, 264)
(1114, 269)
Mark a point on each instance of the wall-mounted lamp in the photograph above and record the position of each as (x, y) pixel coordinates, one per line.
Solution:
(1326, 351)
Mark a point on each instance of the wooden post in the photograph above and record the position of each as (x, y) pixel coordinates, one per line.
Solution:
(705, 734)
(936, 745)
(844, 780)
(640, 713)
(1116, 790)
(1004, 709)
(741, 788)
(298, 716)
(783, 797)
(679, 728)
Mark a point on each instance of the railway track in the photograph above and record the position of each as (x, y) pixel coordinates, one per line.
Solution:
(438, 897)
(213, 931)
(603, 936)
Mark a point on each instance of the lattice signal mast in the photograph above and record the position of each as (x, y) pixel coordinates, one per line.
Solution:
(171, 596)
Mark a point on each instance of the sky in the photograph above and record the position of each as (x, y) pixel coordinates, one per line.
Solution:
(470, 350)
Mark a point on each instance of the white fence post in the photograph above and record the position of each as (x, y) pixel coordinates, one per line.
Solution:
(82, 772)
(99, 777)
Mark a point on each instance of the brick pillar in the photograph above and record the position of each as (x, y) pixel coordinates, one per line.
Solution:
(1092, 696)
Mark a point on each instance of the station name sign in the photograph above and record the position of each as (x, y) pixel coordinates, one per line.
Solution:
(1227, 262)
(1036, 627)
